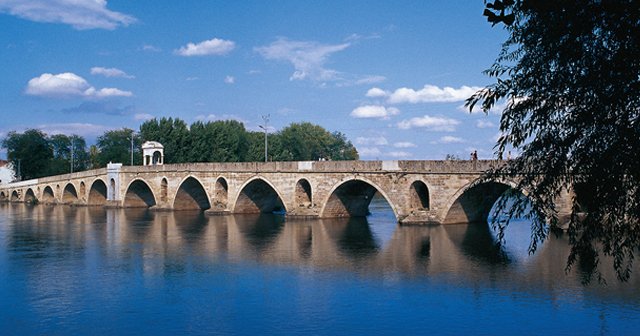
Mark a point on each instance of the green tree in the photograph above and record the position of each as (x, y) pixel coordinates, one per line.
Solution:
(255, 147)
(81, 158)
(568, 73)
(306, 141)
(115, 146)
(94, 162)
(218, 141)
(63, 146)
(29, 150)
(173, 134)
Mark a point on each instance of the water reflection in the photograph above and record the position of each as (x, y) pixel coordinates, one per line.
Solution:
(153, 243)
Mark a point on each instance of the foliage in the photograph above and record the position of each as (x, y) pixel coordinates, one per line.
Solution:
(30, 151)
(217, 141)
(229, 141)
(63, 147)
(93, 157)
(306, 141)
(173, 134)
(42, 155)
(115, 146)
(568, 73)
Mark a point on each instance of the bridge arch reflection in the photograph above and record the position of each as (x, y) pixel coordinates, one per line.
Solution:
(460, 253)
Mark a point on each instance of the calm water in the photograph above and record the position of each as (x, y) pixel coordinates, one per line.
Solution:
(91, 271)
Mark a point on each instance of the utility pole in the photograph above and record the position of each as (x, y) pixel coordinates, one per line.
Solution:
(71, 163)
(132, 147)
(265, 118)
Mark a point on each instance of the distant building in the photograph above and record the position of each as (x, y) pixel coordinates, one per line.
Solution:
(7, 174)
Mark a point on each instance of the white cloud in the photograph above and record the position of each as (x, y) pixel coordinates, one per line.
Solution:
(286, 111)
(370, 80)
(374, 111)
(213, 117)
(484, 124)
(143, 116)
(376, 92)
(308, 58)
(69, 84)
(376, 141)
(404, 144)
(110, 72)
(399, 154)
(440, 124)
(64, 84)
(429, 94)
(214, 46)
(369, 151)
(107, 92)
(229, 79)
(151, 48)
(447, 139)
(80, 14)
(82, 129)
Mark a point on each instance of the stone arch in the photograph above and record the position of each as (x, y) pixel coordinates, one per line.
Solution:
(30, 196)
(351, 198)
(47, 195)
(303, 194)
(112, 188)
(191, 195)
(97, 193)
(164, 189)
(69, 194)
(15, 197)
(3, 196)
(138, 195)
(258, 196)
(473, 202)
(83, 190)
(156, 157)
(419, 196)
(221, 191)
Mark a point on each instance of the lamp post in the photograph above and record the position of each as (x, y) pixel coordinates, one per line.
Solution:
(266, 120)
(132, 132)
(71, 161)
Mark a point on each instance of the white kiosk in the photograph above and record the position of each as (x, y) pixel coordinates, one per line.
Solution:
(152, 153)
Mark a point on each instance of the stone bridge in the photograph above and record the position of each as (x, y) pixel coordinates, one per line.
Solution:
(441, 192)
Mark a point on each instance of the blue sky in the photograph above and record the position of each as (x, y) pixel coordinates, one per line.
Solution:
(391, 75)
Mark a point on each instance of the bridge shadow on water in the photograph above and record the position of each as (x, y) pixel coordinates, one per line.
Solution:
(374, 245)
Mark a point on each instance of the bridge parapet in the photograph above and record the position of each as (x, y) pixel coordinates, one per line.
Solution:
(416, 166)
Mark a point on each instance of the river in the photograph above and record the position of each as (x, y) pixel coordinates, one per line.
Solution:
(93, 271)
